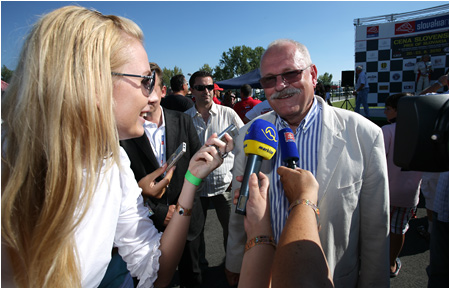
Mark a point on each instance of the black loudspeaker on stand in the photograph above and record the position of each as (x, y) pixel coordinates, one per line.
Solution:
(347, 81)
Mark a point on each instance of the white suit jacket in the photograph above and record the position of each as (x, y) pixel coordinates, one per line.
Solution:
(353, 199)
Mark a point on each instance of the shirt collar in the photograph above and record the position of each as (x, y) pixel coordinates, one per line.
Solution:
(213, 110)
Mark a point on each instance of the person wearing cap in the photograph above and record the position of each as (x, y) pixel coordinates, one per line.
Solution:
(217, 90)
(247, 102)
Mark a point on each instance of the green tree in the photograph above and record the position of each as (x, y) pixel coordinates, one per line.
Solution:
(238, 60)
(206, 68)
(169, 73)
(6, 74)
(326, 78)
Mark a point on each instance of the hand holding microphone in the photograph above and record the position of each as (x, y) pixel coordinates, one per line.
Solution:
(260, 142)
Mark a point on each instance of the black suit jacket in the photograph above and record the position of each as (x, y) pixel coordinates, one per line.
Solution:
(179, 128)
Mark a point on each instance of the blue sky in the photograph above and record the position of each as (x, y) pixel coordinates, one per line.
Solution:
(189, 34)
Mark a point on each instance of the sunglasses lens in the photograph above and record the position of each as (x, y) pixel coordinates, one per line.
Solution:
(292, 76)
(149, 84)
(268, 82)
(289, 77)
(203, 87)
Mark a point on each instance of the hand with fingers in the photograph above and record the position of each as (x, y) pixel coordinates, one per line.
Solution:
(210, 156)
(257, 219)
(151, 188)
(298, 184)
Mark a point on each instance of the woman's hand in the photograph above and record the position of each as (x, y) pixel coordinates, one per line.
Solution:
(298, 184)
(210, 156)
(257, 219)
(150, 188)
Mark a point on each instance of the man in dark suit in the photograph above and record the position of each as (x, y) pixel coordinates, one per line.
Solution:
(165, 130)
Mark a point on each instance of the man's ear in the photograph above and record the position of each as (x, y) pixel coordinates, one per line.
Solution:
(163, 91)
(314, 74)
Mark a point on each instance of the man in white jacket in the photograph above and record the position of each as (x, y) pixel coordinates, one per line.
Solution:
(344, 151)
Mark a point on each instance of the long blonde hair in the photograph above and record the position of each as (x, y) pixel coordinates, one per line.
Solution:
(58, 130)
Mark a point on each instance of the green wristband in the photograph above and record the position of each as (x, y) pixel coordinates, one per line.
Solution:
(192, 179)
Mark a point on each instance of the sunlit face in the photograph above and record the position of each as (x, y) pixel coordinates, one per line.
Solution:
(291, 101)
(129, 94)
(390, 112)
(204, 97)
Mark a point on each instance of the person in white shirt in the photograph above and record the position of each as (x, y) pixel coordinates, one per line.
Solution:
(68, 193)
(209, 118)
(257, 110)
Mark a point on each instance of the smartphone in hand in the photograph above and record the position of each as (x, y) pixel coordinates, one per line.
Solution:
(231, 130)
(175, 157)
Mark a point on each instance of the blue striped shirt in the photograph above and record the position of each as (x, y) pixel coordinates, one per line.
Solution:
(307, 138)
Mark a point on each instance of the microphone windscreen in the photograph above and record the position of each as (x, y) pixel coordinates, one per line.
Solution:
(288, 146)
(261, 139)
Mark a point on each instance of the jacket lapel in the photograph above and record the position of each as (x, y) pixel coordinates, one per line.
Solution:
(331, 147)
(171, 138)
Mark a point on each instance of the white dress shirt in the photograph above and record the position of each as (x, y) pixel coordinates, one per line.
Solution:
(157, 138)
(118, 217)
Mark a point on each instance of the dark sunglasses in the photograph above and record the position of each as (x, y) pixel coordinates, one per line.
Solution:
(148, 81)
(289, 77)
(202, 87)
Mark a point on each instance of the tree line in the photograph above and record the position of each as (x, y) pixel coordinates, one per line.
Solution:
(237, 61)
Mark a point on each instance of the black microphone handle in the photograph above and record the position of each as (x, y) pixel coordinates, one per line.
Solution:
(253, 166)
(290, 163)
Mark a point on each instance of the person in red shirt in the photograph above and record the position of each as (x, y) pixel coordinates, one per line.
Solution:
(216, 96)
(247, 102)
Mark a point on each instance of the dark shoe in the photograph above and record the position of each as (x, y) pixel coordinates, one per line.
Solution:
(398, 264)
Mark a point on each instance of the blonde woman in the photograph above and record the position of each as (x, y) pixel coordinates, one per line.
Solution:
(68, 193)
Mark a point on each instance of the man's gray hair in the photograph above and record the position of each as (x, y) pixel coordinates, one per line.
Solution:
(359, 67)
(300, 48)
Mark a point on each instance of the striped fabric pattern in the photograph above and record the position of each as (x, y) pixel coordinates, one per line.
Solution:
(307, 137)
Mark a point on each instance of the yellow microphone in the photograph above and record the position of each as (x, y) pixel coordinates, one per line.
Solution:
(260, 142)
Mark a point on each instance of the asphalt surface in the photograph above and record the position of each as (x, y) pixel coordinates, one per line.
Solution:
(414, 256)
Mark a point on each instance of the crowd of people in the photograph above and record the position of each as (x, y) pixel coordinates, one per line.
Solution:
(88, 199)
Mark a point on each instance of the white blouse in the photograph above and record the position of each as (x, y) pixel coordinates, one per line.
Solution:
(118, 217)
